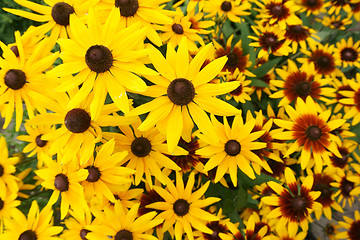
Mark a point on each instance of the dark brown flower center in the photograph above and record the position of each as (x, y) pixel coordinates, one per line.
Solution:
(226, 6)
(298, 203)
(330, 230)
(61, 182)
(1, 204)
(83, 233)
(177, 28)
(94, 174)
(99, 58)
(354, 231)
(324, 189)
(303, 88)
(1, 170)
(39, 142)
(233, 60)
(337, 24)
(60, 12)
(346, 187)
(270, 40)
(181, 91)
(181, 207)
(28, 235)
(123, 235)
(77, 120)
(323, 61)
(313, 133)
(343, 161)
(141, 147)
(15, 79)
(311, 3)
(128, 8)
(217, 228)
(232, 147)
(15, 50)
(277, 10)
(349, 54)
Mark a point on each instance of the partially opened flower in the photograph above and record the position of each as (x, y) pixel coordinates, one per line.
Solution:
(183, 94)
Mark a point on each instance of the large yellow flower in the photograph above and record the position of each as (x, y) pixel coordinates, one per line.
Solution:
(104, 59)
(183, 93)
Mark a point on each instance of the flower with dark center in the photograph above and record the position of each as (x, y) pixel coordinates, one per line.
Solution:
(217, 228)
(128, 8)
(15, 50)
(233, 59)
(77, 120)
(346, 187)
(83, 233)
(354, 231)
(60, 12)
(324, 62)
(177, 28)
(343, 161)
(303, 89)
(278, 10)
(270, 41)
(313, 133)
(226, 6)
(147, 198)
(61, 182)
(181, 207)
(39, 142)
(298, 203)
(181, 91)
(15, 79)
(28, 235)
(94, 174)
(232, 147)
(322, 184)
(237, 91)
(349, 54)
(312, 4)
(141, 147)
(99, 58)
(330, 230)
(123, 235)
(1, 170)
(297, 33)
(185, 162)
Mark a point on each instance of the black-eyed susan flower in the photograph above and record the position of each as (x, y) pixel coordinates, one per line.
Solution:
(300, 35)
(181, 27)
(348, 187)
(311, 130)
(352, 99)
(227, 9)
(336, 22)
(145, 12)
(340, 85)
(255, 229)
(348, 53)
(183, 94)
(78, 130)
(55, 16)
(270, 40)
(241, 93)
(105, 56)
(7, 169)
(335, 6)
(8, 204)
(64, 180)
(118, 224)
(198, 21)
(346, 148)
(146, 150)
(236, 57)
(105, 172)
(311, 7)
(293, 205)
(76, 225)
(183, 208)
(22, 79)
(234, 148)
(37, 225)
(278, 12)
(36, 145)
(300, 82)
(283, 234)
(352, 226)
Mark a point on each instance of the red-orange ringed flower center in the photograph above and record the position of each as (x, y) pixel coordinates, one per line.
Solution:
(181, 91)
(303, 88)
(28, 235)
(15, 79)
(60, 12)
(349, 54)
(1, 170)
(313, 133)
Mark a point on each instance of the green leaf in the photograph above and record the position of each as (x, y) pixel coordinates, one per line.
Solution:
(258, 83)
(266, 67)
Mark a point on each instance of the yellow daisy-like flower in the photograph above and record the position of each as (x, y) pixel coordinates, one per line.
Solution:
(146, 152)
(7, 169)
(118, 224)
(348, 53)
(55, 16)
(76, 225)
(183, 94)
(241, 93)
(105, 61)
(231, 9)
(197, 20)
(38, 225)
(22, 79)
(300, 82)
(352, 227)
(36, 144)
(283, 234)
(313, 7)
(352, 100)
(145, 12)
(178, 29)
(183, 208)
(300, 35)
(78, 130)
(233, 149)
(337, 5)
(105, 172)
(8, 204)
(336, 22)
(294, 204)
(311, 131)
(64, 180)
(278, 12)
(348, 187)
(271, 40)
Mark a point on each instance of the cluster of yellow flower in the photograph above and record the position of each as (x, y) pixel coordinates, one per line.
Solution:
(136, 109)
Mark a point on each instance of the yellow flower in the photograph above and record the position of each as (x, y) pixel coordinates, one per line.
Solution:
(351, 226)
(231, 9)
(348, 53)
(8, 180)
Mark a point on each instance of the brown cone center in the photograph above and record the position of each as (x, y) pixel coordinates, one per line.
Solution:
(77, 120)
(181, 207)
(298, 203)
(124, 235)
(60, 12)
(94, 174)
(128, 8)
(61, 182)
(349, 54)
(303, 88)
(181, 91)
(313, 133)
(233, 60)
(177, 28)
(141, 147)
(28, 235)
(226, 6)
(83, 233)
(232, 147)
(15, 79)
(99, 58)
(39, 142)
